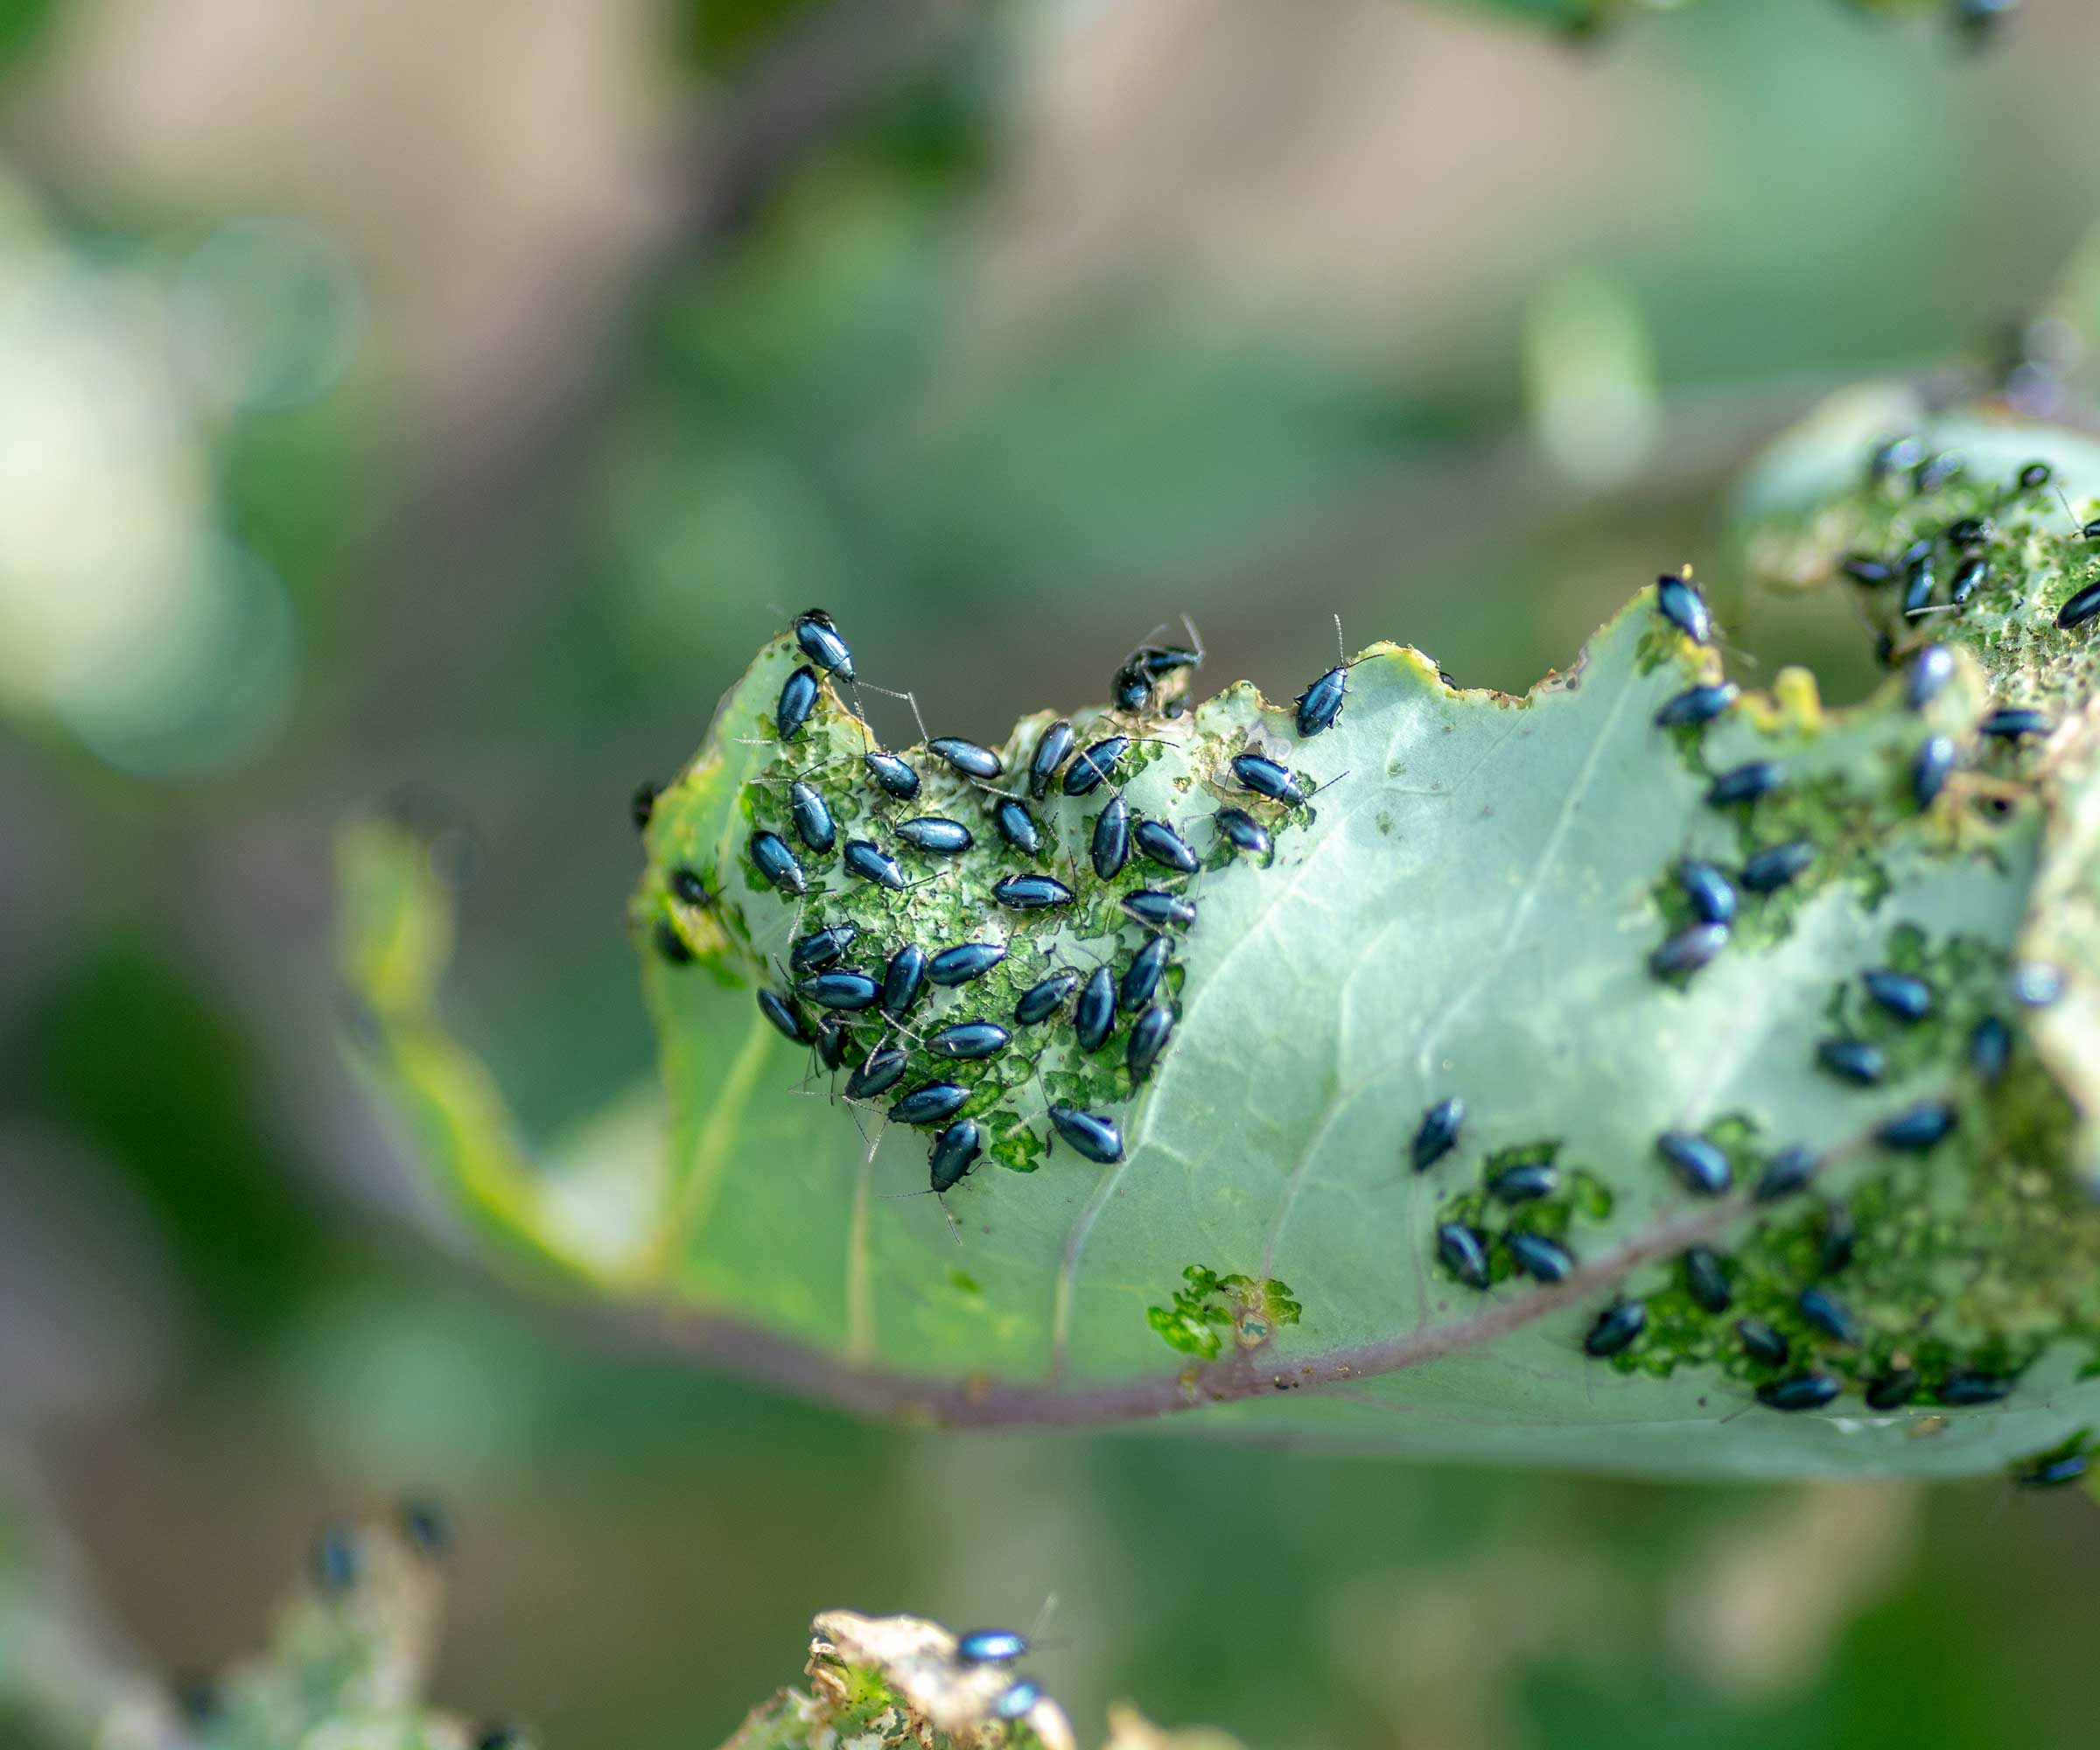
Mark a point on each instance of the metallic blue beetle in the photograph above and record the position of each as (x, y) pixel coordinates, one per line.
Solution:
(1091, 1135)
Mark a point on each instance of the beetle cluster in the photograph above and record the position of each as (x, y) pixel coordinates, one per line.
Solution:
(940, 892)
(1897, 999)
(1784, 1341)
(1799, 1337)
(1776, 1316)
(1976, 23)
(917, 911)
(1939, 561)
(1903, 585)
(1518, 1221)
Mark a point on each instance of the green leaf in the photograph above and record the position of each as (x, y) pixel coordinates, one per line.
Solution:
(886, 1680)
(1465, 909)
(1810, 504)
(881, 1682)
(346, 1663)
(1975, 20)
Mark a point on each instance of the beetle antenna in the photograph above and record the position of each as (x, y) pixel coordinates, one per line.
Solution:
(1071, 862)
(910, 698)
(838, 1099)
(806, 773)
(890, 1024)
(1145, 646)
(905, 1196)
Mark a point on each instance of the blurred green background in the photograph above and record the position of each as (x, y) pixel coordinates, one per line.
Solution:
(454, 397)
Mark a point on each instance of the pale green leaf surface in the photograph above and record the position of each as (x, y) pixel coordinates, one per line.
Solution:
(1586, 18)
(1468, 911)
(1805, 507)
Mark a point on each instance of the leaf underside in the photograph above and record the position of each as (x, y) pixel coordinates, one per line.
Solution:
(1974, 19)
(347, 1662)
(1465, 909)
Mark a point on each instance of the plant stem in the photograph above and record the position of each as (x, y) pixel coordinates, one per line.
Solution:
(981, 1401)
